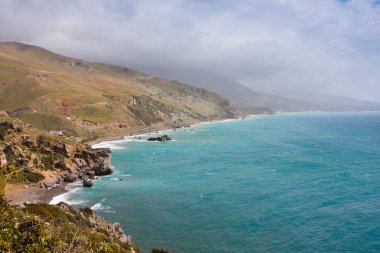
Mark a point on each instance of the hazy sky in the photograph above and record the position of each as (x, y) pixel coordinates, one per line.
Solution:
(322, 45)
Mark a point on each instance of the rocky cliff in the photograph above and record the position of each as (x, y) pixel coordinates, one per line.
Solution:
(34, 158)
(27, 155)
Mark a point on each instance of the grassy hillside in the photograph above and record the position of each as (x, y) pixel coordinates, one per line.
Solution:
(54, 92)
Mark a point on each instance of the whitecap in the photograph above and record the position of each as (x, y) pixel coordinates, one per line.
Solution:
(100, 206)
(67, 196)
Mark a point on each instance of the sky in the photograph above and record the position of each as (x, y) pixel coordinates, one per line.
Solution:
(328, 46)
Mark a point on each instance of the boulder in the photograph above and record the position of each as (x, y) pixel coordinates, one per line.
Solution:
(87, 182)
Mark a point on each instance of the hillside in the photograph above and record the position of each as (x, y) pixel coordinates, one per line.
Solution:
(35, 166)
(243, 96)
(54, 92)
(58, 228)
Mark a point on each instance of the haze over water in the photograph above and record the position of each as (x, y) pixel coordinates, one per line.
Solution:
(306, 182)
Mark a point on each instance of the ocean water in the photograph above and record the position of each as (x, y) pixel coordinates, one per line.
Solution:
(306, 182)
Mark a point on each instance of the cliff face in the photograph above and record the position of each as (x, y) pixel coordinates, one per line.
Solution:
(26, 155)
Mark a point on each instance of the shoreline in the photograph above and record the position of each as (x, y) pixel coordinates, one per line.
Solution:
(20, 193)
(124, 138)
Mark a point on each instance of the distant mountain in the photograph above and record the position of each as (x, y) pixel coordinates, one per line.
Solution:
(331, 102)
(55, 92)
(245, 97)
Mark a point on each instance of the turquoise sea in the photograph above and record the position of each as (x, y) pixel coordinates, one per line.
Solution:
(305, 182)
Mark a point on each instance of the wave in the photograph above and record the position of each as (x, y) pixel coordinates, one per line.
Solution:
(67, 197)
(100, 206)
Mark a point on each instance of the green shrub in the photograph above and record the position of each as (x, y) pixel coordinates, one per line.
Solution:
(25, 176)
(23, 233)
(86, 211)
(34, 177)
(49, 212)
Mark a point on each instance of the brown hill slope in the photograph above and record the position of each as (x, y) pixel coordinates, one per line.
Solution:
(54, 92)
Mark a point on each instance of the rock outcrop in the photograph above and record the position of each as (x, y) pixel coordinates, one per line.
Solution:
(160, 138)
(32, 151)
(87, 182)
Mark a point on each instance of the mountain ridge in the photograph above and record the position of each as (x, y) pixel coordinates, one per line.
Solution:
(51, 91)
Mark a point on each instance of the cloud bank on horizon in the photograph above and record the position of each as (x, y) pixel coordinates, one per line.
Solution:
(330, 46)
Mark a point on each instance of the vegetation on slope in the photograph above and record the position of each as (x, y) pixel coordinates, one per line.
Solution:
(26, 154)
(54, 92)
(58, 228)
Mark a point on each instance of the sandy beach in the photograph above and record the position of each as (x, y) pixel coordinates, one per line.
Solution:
(19, 193)
(33, 193)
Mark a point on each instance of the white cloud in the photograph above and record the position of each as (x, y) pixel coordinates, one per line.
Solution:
(326, 46)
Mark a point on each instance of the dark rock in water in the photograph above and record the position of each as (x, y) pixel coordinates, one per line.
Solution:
(87, 182)
(69, 179)
(160, 138)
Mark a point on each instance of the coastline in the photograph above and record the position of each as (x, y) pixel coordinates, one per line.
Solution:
(109, 143)
(19, 193)
(156, 130)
